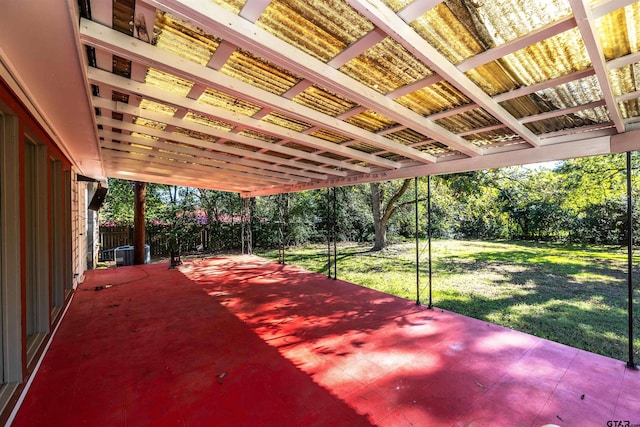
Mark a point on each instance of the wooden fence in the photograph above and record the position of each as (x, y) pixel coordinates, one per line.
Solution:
(217, 237)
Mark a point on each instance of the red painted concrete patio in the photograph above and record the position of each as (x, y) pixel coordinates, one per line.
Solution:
(241, 341)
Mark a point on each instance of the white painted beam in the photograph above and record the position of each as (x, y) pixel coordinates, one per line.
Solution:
(195, 142)
(204, 157)
(144, 18)
(412, 87)
(628, 141)
(218, 21)
(221, 55)
(517, 44)
(355, 49)
(253, 9)
(102, 12)
(159, 95)
(584, 133)
(164, 165)
(298, 88)
(134, 167)
(118, 43)
(570, 150)
(156, 158)
(528, 90)
(493, 54)
(417, 8)
(587, 26)
(632, 58)
(117, 170)
(377, 12)
(561, 112)
(169, 181)
(628, 96)
(159, 117)
(607, 6)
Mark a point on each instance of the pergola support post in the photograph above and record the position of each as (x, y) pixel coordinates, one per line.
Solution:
(140, 196)
(630, 363)
(328, 225)
(282, 205)
(415, 184)
(331, 234)
(247, 237)
(335, 245)
(429, 236)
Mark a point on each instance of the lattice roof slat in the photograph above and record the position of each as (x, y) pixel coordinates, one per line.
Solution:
(330, 92)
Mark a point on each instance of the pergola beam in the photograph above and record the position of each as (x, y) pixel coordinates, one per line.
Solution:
(114, 171)
(169, 151)
(163, 134)
(586, 25)
(546, 153)
(517, 44)
(562, 112)
(607, 6)
(355, 49)
(417, 8)
(183, 177)
(239, 31)
(528, 90)
(159, 117)
(117, 43)
(392, 24)
(253, 9)
(130, 87)
(187, 166)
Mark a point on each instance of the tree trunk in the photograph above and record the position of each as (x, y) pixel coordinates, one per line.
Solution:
(140, 195)
(379, 227)
(382, 214)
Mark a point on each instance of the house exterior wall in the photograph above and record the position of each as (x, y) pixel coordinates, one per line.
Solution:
(43, 211)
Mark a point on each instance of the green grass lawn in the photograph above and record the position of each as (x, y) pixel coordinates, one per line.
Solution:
(574, 295)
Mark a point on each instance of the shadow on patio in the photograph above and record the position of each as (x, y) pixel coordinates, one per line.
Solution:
(244, 341)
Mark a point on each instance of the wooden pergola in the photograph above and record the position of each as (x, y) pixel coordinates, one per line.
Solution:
(263, 97)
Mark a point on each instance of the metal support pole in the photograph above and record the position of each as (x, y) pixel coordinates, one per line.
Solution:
(630, 363)
(415, 184)
(280, 229)
(429, 234)
(246, 228)
(328, 200)
(242, 225)
(335, 249)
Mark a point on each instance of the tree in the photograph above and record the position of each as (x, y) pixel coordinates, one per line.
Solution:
(385, 201)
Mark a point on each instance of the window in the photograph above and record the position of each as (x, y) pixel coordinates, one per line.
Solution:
(10, 296)
(37, 247)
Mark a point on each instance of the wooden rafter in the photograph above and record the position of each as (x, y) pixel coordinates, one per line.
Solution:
(417, 8)
(318, 173)
(517, 44)
(383, 17)
(123, 170)
(117, 43)
(586, 25)
(130, 127)
(510, 157)
(201, 156)
(170, 163)
(216, 20)
(128, 86)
